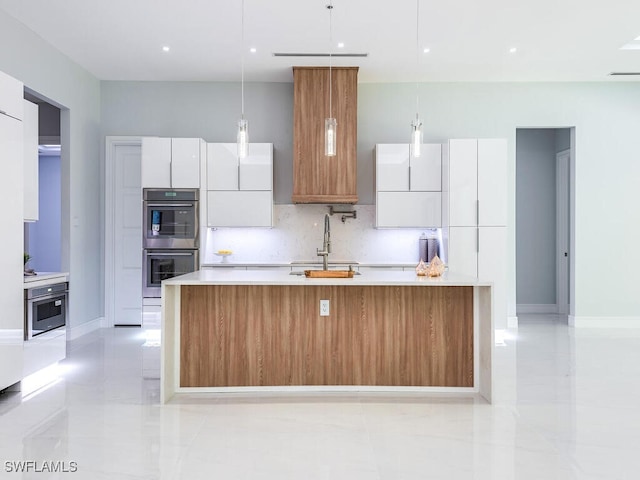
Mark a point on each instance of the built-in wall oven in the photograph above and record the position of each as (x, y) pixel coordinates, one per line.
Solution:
(171, 236)
(45, 309)
(164, 264)
(171, 218)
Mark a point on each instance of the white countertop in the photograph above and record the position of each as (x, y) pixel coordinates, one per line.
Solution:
(45, 278)
(259, 277)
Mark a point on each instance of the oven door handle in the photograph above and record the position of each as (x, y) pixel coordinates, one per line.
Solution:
(169, 204)
(169, 254)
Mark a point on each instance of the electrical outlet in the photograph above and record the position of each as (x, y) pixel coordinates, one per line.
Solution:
(324, 308)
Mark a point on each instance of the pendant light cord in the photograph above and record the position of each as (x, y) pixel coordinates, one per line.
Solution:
(330, 7)
(417, 55)
(242, 62)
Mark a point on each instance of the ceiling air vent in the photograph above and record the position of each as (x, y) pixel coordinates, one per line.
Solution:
(624, 74)
(337, 55)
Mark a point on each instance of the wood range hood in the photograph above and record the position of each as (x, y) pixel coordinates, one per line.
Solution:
(316, 177)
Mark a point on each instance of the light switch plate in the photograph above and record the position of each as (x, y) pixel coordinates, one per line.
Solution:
(324, 308)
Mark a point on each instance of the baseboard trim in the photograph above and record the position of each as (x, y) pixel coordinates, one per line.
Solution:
(543, 308)
(603, 322)
(87, 327)
(512, 322)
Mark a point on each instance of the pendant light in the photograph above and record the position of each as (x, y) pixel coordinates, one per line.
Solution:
(330, 122)
(243, 125)
(416, 125)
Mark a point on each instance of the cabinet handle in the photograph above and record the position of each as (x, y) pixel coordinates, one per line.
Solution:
(477, 212)
(238, 175)
(409, 177)
(477, 240)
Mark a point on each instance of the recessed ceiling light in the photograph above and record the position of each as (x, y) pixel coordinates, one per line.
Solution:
(165, 48)
(341, 45)
(630, 46)
(253, 50)
(426, 50)
(637, 39)
(513, 50)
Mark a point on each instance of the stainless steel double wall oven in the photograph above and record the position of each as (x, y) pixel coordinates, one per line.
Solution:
(171, 235)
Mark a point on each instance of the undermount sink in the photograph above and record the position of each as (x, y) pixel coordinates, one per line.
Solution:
(301, 272)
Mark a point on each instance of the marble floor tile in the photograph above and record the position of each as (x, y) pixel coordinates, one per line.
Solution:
(566, 407)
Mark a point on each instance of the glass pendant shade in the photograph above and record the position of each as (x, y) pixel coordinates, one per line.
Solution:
(243, 138)
(416, 137)
(330, 137)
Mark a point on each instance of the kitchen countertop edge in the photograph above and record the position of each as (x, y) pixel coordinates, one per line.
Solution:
(256, 277)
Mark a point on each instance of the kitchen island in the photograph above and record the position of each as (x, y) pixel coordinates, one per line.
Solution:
(257, 331)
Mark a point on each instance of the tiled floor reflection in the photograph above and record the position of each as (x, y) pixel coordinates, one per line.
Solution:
(566, 408)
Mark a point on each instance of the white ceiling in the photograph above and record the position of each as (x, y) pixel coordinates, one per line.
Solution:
(562, 40)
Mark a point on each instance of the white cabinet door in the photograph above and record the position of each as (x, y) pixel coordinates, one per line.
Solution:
(392, 167)
(492, 266)
(11, 96)
(185, 163)
(222, 166)
(256, 170)
(426, 170)
(463, 250)
(156, 162)
(408, 209)
(492, 181)
(240, 208)
(30, 152)
(463, 182)
(11, 248)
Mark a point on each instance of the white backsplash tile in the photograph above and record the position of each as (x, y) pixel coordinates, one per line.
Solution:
(298, 231)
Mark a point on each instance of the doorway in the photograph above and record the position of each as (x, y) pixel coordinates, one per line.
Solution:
(544, 214)
(43, 237)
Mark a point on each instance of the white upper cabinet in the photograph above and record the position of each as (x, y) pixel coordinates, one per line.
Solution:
(11, 96)
(156, 162)
(408, 189)
(225, 171)
(492, 182)
(239, 191)
(30, 152)
(238, 208)
(397, 171)
(478, 182)
(185, 162)
(170, 163)
(392, 167)
(426, 170)
(256, 170)
(408, 209)
(222, 166)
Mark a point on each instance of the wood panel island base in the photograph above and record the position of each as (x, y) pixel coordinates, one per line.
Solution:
(249, 331)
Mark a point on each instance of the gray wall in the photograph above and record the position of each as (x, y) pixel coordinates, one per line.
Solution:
(536, 216)
(44, 235)
(45, 70)
(209, 111)
(606, 133)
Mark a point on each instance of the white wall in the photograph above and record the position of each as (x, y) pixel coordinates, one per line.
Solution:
(607, 146)
(536, 214)
(46, 71)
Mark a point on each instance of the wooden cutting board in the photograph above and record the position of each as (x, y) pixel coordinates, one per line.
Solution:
(328, 273)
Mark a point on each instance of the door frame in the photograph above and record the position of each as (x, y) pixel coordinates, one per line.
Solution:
(563, 226)
(111, 144)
